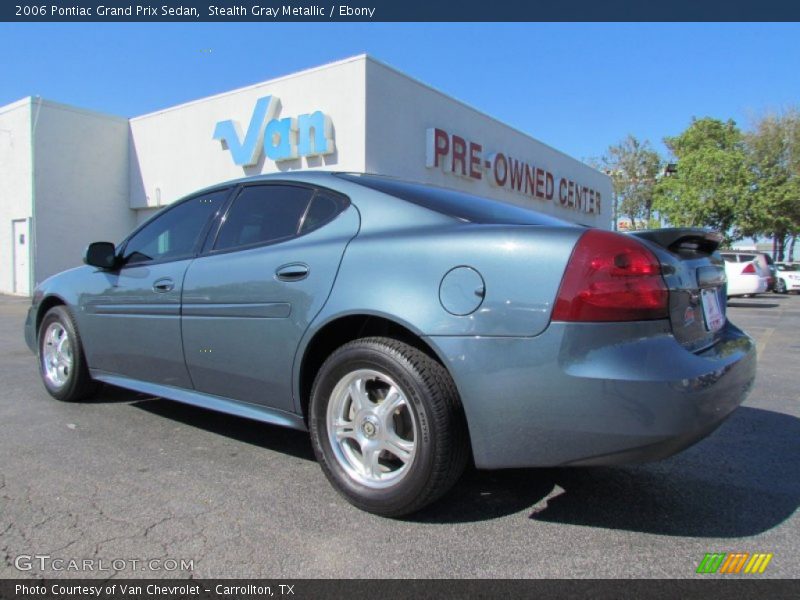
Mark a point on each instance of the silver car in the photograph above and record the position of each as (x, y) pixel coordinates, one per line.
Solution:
(410, 329)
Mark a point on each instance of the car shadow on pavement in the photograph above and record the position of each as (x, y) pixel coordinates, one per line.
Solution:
(272, 437)
(109, 394)
(745, 304)
(741, 481)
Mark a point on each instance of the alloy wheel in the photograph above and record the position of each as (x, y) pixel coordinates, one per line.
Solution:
(372, 428)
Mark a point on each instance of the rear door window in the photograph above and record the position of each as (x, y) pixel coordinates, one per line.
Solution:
(263, 214)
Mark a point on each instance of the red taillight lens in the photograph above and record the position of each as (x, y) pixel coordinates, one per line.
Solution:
(611, 277)
(749, 269)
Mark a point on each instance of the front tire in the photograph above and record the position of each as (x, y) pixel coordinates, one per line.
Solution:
(387, 426)
(780, 286)
(62, 363)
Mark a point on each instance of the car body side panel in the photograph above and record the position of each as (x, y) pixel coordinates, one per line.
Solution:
(624, 392)
(241, 324)
(401, 274)
(257, 412)
(398, 277)
(133, 329)
(110, 307)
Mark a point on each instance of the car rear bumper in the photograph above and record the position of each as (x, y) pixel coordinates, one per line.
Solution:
(594, 393)
(747, 284)
(791, 285)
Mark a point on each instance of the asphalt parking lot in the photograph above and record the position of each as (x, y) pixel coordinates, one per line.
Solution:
(133, 477)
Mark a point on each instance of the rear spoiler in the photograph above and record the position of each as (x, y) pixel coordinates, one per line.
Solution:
(683, 239)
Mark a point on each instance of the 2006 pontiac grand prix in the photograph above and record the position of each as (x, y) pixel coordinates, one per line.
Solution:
(408, 328)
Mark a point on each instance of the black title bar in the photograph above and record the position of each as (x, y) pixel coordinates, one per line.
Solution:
(398, 10)
(395, 589)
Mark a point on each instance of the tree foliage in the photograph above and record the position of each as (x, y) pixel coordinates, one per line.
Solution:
(774, 165)
(711, 186)
(743, 184)
(633, 166)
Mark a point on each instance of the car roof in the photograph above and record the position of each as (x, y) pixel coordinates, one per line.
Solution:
(447, 202)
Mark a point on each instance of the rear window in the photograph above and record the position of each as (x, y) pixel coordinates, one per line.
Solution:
(460, 205)
(324, 206)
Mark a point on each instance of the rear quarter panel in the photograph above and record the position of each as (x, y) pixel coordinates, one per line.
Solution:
(398, 275)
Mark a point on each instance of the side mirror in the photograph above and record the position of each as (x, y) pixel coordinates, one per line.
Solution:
(101, 254)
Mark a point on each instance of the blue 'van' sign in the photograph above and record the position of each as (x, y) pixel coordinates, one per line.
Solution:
(279, 139)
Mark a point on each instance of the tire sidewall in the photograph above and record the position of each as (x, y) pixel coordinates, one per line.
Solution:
(391, 363)
(60, 315)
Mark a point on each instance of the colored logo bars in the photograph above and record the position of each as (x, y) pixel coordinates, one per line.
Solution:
(734, 562)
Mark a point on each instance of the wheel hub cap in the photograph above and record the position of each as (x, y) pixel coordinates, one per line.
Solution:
(369, 426)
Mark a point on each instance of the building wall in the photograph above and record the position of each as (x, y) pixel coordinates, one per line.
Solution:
(399, 112)
(81, 184)
(15, 181)
(173, 152)
(143, 214)
(97, 176)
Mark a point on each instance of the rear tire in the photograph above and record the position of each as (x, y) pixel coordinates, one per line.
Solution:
(62, 363)
(780, 286)
(387, 426)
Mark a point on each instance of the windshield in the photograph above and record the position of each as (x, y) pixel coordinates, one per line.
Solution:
(788, 267)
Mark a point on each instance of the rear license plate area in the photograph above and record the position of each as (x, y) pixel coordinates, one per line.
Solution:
(712, 310)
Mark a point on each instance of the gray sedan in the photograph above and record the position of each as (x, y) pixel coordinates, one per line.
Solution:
(410, 329)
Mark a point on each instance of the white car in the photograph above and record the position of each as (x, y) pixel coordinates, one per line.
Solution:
(788, 278)
(744, 278)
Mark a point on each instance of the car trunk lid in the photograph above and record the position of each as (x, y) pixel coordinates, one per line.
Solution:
(695, 276)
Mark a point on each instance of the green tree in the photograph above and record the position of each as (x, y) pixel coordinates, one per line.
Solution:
(710, 187)
(633, 167)
(773, 152)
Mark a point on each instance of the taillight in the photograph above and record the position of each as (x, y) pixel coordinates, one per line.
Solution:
(611, 277)
(749, 269)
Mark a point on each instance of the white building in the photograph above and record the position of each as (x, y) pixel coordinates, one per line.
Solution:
(71, 176)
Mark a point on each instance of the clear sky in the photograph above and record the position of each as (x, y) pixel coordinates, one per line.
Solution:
(578, 87)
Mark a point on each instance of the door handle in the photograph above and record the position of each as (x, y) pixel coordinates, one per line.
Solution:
(163, 285)
(292, 272)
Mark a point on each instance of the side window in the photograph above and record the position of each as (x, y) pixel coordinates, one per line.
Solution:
(323, 208)
(174, 234)
(263, 214)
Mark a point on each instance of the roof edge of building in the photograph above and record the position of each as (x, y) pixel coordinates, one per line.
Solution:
(27, 100)
(38, 100)
(355, 58)
(34, 101)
